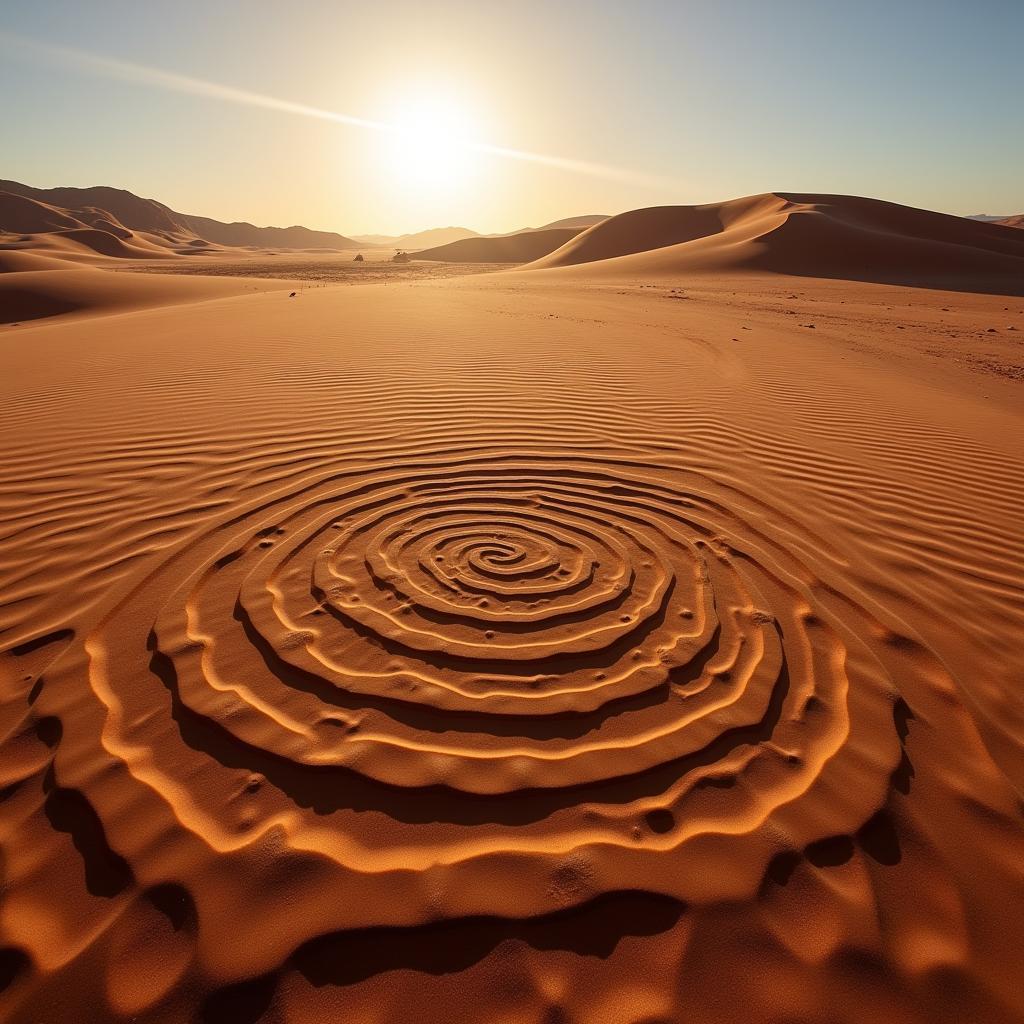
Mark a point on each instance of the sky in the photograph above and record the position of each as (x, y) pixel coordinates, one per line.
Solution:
(391, 117)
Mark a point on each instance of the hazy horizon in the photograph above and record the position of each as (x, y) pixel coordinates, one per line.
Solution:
(494, 121)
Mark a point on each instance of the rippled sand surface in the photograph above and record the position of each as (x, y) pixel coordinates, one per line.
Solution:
(516, 648)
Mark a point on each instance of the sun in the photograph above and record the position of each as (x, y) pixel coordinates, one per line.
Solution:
(429, 143)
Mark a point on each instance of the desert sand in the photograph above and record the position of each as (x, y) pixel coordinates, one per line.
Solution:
(632, 636)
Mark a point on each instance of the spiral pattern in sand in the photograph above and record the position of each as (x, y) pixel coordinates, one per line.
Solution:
(438, 673)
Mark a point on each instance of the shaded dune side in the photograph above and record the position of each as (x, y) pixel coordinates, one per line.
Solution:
(78, 234)
(124, 207)
(104, 243)
(805, 235)
(19, 214)
(14, 261)
(642, 231)
(45, 288)
(522, 247)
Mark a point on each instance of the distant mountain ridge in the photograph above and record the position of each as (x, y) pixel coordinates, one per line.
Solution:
(418, 239)
(102, 207)
(587, 220)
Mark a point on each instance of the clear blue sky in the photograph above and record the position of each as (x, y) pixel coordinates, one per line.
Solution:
(686, 102)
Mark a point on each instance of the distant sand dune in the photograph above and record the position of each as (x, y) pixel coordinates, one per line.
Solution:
(123, 211)
(518, 248)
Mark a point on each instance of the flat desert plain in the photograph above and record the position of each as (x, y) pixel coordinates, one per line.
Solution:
(630, 636)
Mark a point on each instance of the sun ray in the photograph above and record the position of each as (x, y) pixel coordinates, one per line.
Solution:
(174, 82)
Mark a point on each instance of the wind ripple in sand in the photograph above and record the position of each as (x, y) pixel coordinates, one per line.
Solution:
(496, 685)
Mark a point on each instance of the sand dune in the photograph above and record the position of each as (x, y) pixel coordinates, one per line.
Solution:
(124, 210)
(1017, 221)
(641, 231)
(79, 235)
(33, 293)
(807, 235)
(522, 247)
(122, 206)
(631, 641)
(48, 229)
(19, 214)
(13, 261)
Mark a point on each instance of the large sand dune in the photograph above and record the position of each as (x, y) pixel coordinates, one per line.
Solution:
(631, 641)
(806, 235)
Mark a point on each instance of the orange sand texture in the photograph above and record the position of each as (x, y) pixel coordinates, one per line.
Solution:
(631, 637)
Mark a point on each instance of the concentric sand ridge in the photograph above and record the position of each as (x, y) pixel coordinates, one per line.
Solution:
(564, 648)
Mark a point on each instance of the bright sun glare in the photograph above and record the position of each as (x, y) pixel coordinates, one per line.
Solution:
(428, 147)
